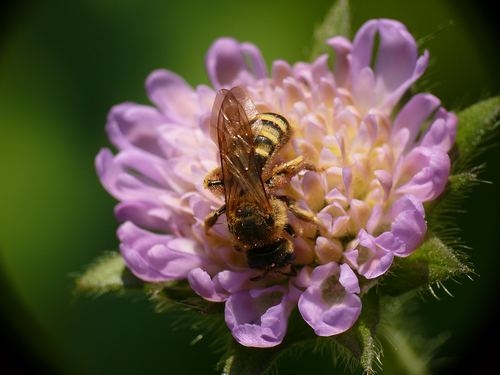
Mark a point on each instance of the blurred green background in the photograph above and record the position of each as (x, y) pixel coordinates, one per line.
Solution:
(63, 64)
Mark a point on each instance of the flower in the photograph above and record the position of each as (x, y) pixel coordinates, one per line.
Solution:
(377, 160)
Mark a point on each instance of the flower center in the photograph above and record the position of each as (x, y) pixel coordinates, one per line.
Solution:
(332, 290)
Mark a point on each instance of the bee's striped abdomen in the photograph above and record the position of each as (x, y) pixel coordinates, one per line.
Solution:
(271, 131)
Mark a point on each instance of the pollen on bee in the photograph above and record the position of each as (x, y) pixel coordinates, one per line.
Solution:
(213, 182)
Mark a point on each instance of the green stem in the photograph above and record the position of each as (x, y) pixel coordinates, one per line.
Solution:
(409, 361)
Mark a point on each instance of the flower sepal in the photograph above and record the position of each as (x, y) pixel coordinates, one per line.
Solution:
(478, 124)
(172, 295)
(108, 274)
(431, 264)
(336, 22)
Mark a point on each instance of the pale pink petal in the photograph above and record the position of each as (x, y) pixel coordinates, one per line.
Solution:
(135, 125)
(330, 305)
(442, 132)
(423, 173)
(281, 70)
(153, 257)
(173, 96)
(411, 118)
(230, 63)
(132, 175)
(143, 214)
(396, 65)
(342, 47)
(374, 255)
(204, 286)
(408, 224)
(259, 317)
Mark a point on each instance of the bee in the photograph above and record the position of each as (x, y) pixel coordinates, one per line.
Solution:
(249, 176)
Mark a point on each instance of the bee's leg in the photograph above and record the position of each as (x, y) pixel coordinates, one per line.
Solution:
(214, 182)
(259, 277)
(297, 211)
(289, 229)
(211, 219)
(282, 173)
(291, 273)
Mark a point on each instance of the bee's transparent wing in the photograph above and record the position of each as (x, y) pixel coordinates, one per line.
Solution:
(241, 176)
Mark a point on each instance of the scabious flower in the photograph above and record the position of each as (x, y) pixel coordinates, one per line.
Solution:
(377, 160)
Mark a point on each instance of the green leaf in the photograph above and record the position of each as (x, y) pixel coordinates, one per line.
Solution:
(476, 127)
(430, 264)
(336, 22)
(107, 274)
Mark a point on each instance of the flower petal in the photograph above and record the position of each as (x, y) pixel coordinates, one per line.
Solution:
(408, 224)
(230, 63)
(342, 47)
(233, 281)
(374, 255)
(396, 64)
(153, 257)
(411, 118)
(134, 125)
(173, 96)
(442, 132)
(204, 285)
(143, 214)
(423, 173)
(259, 317)
(330, 304)
(132, 174)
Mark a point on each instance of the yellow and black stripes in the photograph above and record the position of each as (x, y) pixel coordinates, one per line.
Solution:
(271, 131)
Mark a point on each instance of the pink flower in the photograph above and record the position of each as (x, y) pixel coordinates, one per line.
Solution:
(330, 303)
(375, 164)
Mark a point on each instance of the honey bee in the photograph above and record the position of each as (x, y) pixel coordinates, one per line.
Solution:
(248, 178)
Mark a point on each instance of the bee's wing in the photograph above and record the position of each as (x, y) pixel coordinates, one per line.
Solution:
(241, 176)
(249, 109)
